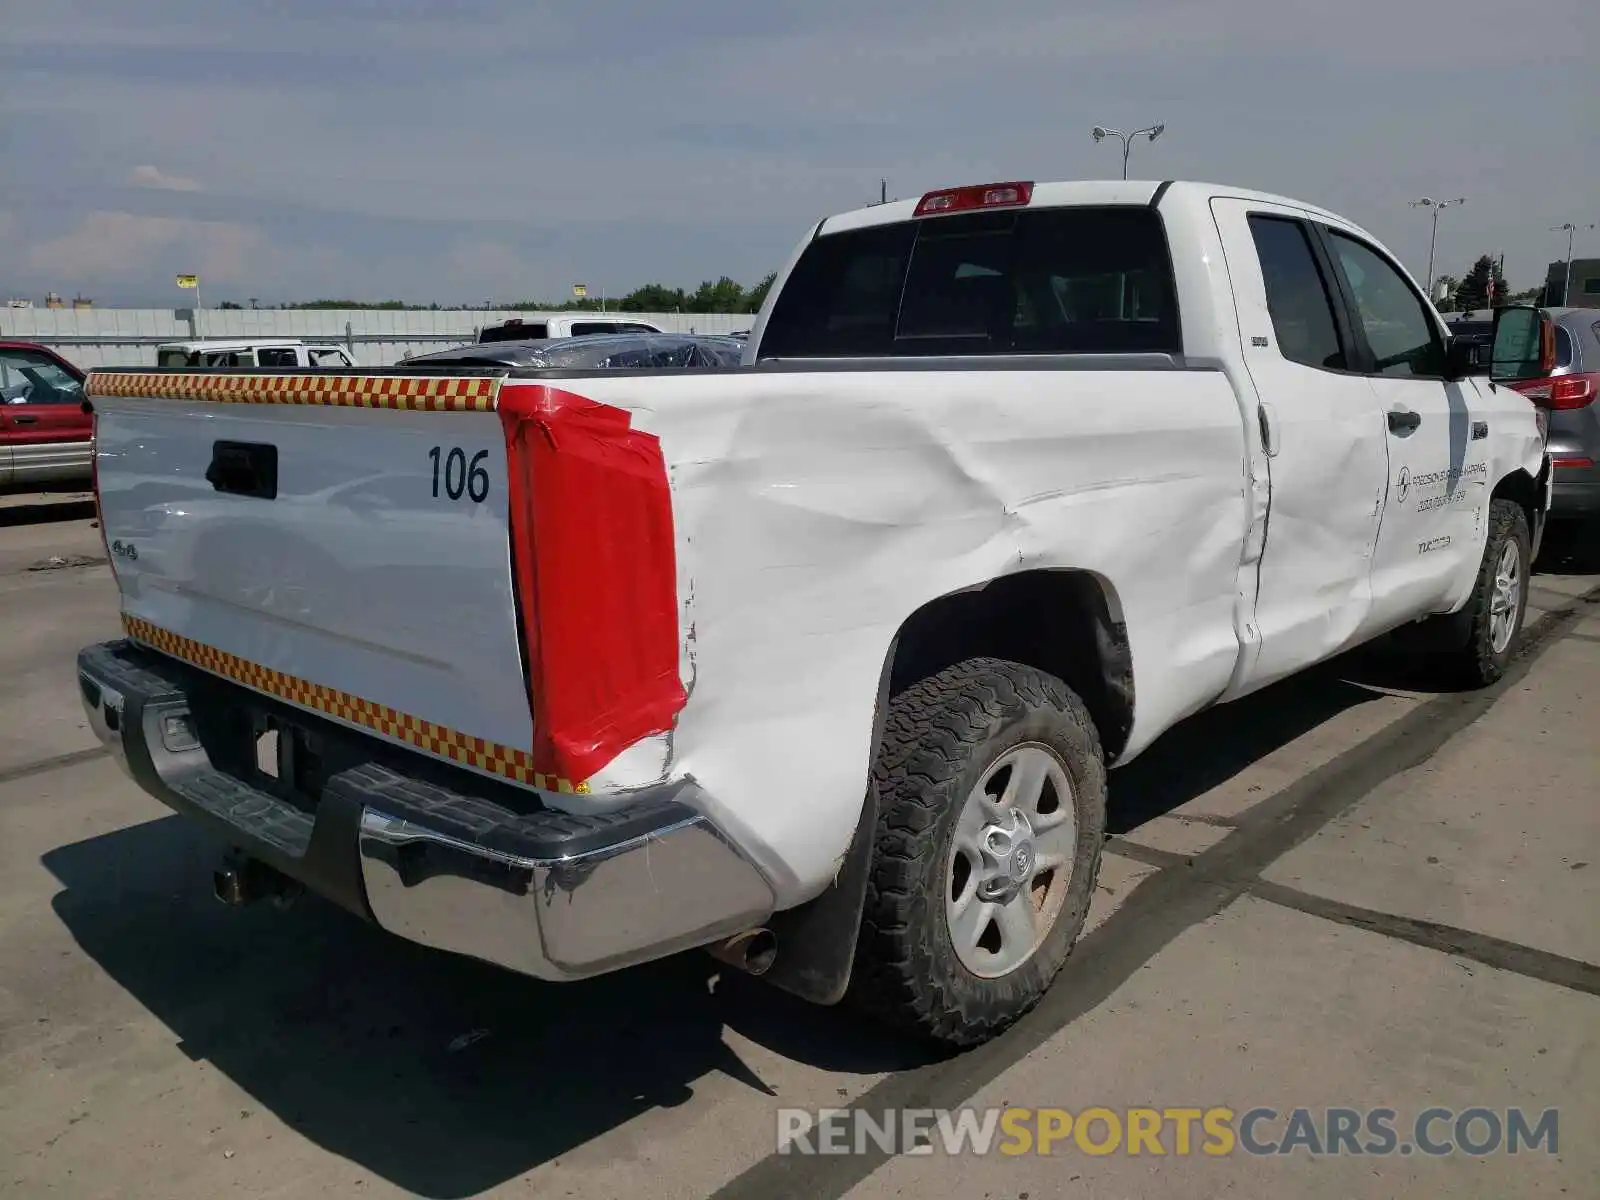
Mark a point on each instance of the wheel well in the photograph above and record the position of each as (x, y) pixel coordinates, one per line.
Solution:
(1522, 489)
(1066, 623)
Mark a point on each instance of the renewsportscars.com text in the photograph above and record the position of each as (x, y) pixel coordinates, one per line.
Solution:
(1217, 1131)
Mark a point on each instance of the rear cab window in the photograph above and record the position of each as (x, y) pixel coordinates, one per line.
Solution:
(1083, 280)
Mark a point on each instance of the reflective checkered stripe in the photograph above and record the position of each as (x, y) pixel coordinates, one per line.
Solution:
(433, 739)
(413, 393)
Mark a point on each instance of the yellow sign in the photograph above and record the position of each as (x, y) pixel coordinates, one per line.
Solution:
(580, 290)
(188, 281)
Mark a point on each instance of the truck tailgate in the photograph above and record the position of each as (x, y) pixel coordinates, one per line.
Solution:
(348, 553)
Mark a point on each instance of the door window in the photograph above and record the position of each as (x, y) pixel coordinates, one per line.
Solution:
(28, 378)
(1403, 337)
(277, 356)
(1297, 294)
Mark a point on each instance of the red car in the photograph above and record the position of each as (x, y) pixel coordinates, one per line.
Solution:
(45, 432)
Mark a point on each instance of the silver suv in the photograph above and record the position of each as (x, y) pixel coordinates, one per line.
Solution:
(1574, 388)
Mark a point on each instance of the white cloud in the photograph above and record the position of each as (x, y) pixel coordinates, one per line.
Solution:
(125, 246)
(154, 177)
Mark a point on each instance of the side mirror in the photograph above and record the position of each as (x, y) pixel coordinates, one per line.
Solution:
(1524, 344)
(1460, 357)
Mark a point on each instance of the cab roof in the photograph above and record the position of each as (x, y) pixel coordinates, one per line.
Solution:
(1088, 192)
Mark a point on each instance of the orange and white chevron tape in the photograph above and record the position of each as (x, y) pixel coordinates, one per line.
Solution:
(438, 740)
(412, 392)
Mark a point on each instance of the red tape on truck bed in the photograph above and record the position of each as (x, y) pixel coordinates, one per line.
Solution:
(596, 575)
(516, 765)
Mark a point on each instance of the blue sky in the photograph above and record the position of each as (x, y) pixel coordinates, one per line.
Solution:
(468, 150)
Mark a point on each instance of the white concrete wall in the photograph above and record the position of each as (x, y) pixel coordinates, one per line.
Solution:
(101, 337)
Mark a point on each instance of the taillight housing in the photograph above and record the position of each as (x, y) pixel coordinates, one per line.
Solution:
(966, 199)
(1563, 392)
(595, 567)
(1573, 391)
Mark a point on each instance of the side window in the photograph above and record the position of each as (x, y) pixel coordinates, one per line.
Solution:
(585, 328)
(1563, 347)
(34, 379)
(277, 356)
(1403, 338)
(326, 356)
(1297, 294)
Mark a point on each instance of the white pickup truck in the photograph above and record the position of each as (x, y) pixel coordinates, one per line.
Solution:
(817, 662)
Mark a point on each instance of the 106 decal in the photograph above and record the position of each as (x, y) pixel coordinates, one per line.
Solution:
(459, 475)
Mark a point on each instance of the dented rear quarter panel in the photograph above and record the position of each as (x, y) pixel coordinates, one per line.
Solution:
(815, 511)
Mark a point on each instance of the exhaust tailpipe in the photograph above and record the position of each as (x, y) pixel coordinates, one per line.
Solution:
(752, 951)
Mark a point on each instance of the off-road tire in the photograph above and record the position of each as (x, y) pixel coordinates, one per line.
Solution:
(1476, 664)
(940, 736)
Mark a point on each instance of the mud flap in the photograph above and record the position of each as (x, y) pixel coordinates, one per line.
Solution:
(817, 940)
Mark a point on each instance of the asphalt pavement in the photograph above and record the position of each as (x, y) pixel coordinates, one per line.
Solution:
(1347, 892)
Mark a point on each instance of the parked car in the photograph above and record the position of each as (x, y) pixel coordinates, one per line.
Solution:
(519, 329)
(1571, 394)
(45, 431)
(593, 352)
(818, 662)
(256, 352)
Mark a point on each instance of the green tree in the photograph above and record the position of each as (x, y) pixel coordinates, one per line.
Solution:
(758, 294)
(654, 298)
(723, 296)
(1473, 290)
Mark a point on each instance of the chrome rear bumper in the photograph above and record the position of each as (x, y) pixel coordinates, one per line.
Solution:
(428, 852)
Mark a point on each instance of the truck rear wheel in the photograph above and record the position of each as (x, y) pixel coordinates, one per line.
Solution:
(991, 815)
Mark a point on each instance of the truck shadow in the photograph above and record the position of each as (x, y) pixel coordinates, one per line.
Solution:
(443, 1075)
(446, 1076)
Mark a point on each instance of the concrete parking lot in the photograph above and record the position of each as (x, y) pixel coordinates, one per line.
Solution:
(1346, 891)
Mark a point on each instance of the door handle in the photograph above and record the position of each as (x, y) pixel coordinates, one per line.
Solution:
(20, 419)
(1403, 420)
(1267, 418)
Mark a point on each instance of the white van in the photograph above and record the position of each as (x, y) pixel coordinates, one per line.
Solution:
(262, 352)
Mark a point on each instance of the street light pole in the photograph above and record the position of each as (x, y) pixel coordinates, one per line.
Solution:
(1101, 132)
(1433, 239)
(1570, 229)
